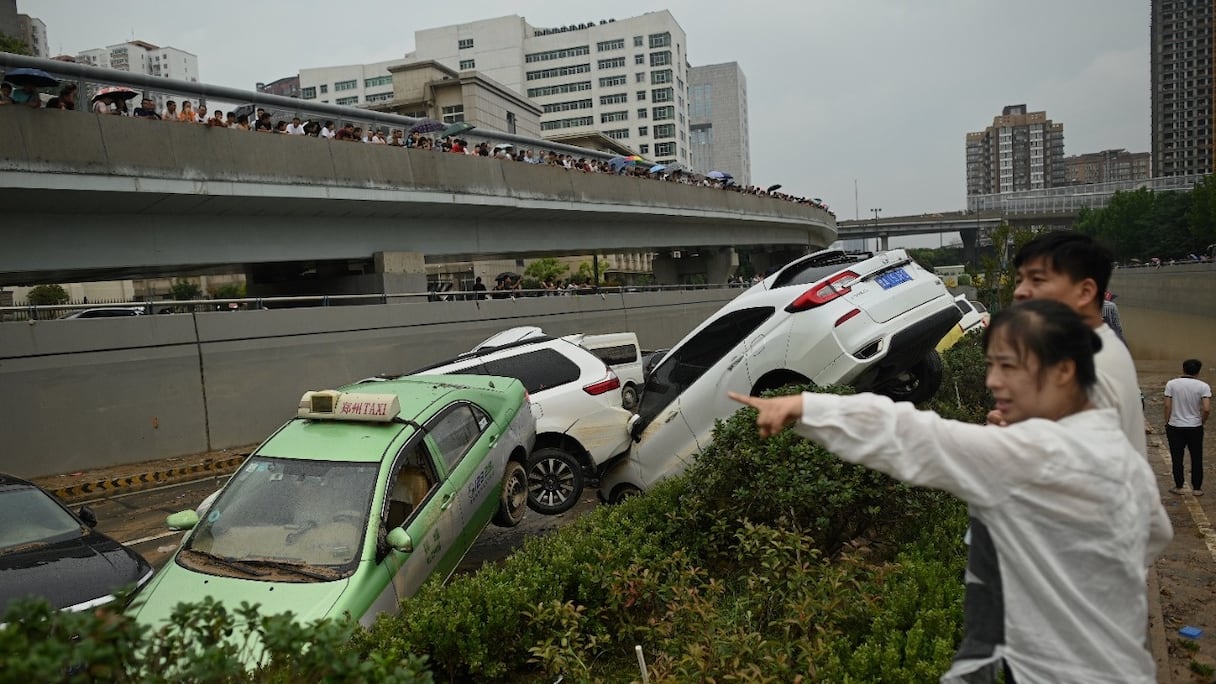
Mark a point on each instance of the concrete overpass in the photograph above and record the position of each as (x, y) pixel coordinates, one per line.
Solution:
(100, 197)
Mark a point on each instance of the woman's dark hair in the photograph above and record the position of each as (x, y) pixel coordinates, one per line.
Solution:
(1052, 332)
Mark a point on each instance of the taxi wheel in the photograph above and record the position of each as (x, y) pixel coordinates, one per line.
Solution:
(555, 481)
(513, 503)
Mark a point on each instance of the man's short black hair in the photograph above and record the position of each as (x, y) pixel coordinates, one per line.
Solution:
(1074, 254)
(1191, 366)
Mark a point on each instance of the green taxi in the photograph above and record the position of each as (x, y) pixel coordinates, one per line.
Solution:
(349, 507)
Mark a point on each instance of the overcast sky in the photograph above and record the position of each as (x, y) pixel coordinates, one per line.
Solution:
(877, 92)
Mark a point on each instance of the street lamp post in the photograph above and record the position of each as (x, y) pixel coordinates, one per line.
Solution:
(876, 237)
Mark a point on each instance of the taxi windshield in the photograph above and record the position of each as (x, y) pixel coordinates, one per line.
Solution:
(290, 512)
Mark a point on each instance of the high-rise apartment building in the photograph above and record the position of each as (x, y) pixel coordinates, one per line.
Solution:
(140, 57)
(1020, 151)
(1182, 63)
(1107, 165)
(352, 85)
(32, 31)
(718, 137)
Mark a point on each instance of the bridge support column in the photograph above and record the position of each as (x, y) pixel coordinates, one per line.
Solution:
(884, 242)
(706, 265)
(969, 239)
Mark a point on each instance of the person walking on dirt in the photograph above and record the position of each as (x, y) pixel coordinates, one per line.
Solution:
(1188, 403)
(1071, 507)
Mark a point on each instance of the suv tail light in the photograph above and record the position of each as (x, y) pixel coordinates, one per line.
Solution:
(608, 384)
(823, 292)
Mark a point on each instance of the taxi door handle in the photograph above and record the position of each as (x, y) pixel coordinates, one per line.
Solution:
(447, 501)
(493, 438)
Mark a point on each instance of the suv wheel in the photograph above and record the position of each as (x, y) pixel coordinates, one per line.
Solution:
(555, 481)
(513, 503)
(918, 383)
(622, 492)
(629, 397)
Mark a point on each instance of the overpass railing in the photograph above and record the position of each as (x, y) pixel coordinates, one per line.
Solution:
(45, 312)
(1070, 199)
(86, 75)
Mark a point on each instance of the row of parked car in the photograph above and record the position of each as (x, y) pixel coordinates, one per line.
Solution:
(374, 487)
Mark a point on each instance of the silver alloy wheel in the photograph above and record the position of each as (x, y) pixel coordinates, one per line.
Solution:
(555, 481)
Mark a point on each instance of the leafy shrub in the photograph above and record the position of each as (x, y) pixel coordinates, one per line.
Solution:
(963, 395)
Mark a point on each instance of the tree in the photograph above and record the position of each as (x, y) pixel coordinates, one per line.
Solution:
(586, 275)
(44, 295)
(185, 289)
(14, 45)
(995, 289)
(547, 268)
(228, 291)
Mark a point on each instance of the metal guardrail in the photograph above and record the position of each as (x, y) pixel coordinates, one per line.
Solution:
(147, 82)
(46, 312)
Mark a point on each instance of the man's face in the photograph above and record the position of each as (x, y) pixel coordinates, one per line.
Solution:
(1036, 279)
(295, 121)
(146, 103)
(171, 107)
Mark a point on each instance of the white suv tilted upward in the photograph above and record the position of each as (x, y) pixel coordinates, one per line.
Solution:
(827, 318)
(576, 399)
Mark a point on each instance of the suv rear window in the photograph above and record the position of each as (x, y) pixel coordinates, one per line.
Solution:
(615, 356)
(815, 269)
(538, 370)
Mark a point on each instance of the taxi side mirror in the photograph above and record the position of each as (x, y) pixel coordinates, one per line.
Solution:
(635, 427)
(399, 540)
(182, 520)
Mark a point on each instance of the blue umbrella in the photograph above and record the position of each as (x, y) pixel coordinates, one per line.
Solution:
(426, 126)
(656, 168)
(31, 77)
(617, 163)
(718, 175)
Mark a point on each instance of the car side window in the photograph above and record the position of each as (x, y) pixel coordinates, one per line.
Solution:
(681, 367)
(455, 432)
(411, 483)
(538, 370)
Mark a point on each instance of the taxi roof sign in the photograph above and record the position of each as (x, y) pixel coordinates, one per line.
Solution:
(352, 406)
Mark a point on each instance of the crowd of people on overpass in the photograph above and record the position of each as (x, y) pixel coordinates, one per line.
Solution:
(188, 112)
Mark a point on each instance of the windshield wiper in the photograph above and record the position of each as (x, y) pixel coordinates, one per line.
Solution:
(298, 568)
(230, 563)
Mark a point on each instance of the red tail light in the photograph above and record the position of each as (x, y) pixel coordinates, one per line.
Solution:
(606, 385)
(823, 292)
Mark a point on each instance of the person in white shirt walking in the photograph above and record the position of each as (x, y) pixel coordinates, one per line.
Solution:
(1072, 508)
(1188, 403)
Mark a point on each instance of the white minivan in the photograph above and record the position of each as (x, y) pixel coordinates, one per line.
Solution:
(620, 352)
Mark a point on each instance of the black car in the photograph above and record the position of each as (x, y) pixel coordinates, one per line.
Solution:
(49, 552)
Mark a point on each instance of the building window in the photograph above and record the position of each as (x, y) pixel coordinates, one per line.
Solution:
(663, 113)
(347, 100)
(324, 88)
(568, 106)
(644, 149)
(617, 98)
(665, 131)
(662, 95)
(377, 81)
(576, 87)
(642, 112)
(309, 93)
(618, 133)
(347, 85)
(614, 63)
(464, 43)
(699, 97)
(665, 149)
(466, 64)
(641, 96)
(609, 117)
(510, 121)
(567, 123)
(639, 77)
(637, 41)
(660, 58)
(606, 45)
(643, 131)
(453, 114)
(379, 97)
(549, 55)
(559, 71)
(659, 40)
(660, 76)
(611, 81)
(639, 59)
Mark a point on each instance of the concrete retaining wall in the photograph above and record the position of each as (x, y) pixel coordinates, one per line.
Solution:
(81, 394)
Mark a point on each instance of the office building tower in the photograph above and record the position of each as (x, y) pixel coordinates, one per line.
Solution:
(1020, 151)
(32, 32)
(1182, 65)
(717, 120)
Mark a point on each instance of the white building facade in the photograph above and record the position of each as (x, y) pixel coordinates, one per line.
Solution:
(718, 123)
(140, 57)
(353, 85)
(627, 78)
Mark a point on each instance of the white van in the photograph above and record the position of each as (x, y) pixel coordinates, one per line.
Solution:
(620, 352)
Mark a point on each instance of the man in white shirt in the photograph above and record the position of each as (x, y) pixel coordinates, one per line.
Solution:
(327, 131)
(295, 127)
(1188, 403)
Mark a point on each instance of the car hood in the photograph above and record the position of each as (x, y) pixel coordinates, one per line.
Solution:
(174, 584)
(71, 572)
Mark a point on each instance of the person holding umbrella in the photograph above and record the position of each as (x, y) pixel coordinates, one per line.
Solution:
(27, 82)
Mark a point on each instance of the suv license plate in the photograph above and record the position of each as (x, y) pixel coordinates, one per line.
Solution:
(890, 279)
